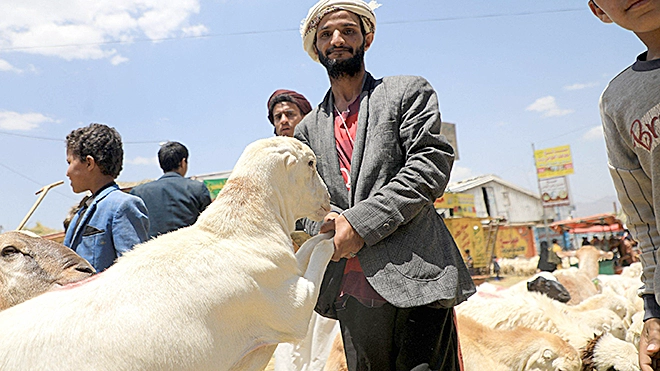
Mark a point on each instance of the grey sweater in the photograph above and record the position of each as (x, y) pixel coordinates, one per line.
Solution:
(630, 111)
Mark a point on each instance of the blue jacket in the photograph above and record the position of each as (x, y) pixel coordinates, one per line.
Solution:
(112, 224)
(173, 202)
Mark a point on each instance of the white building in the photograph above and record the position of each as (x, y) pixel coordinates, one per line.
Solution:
(494, 197)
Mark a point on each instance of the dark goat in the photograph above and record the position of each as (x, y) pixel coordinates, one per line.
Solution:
(550, 288)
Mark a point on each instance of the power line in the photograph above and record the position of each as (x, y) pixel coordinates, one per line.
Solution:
(40, 184)
(31, 137)
(567, 133)
(446, 19)
(62, 140)
(243, 33)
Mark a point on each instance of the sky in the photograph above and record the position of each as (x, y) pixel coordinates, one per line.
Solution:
(511, 74)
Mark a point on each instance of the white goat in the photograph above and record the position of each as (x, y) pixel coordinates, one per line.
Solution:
(218, 295)
(538, 312)
(578, 284)
(31, 265)
(605, 353)
(519, 348)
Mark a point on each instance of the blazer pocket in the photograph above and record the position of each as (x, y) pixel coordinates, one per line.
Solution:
(91, 230)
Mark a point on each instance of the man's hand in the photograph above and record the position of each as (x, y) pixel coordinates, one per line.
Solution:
(347, 241)
(649, 344)
(329, 222)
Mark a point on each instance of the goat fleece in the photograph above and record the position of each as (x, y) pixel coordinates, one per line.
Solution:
(218, 295)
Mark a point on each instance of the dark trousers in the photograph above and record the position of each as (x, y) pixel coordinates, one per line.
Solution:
(398, 339)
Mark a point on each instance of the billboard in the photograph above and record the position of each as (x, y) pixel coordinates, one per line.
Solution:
(449, 131)
(554, 191)
(214, 181)
(469, 235)
(553, 162)
(515, 241)
(461, 204)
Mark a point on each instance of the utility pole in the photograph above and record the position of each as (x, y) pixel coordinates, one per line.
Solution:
(538, 183)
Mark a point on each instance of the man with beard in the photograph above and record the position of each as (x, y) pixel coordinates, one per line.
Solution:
(396, 273)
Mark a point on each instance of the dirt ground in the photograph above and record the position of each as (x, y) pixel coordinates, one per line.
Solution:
(506, 281)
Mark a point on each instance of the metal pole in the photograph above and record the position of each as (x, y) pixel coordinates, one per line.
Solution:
(43, 192)
(538, 183)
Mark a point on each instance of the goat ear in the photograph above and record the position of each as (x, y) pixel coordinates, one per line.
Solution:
(290, 160)
(547, 354)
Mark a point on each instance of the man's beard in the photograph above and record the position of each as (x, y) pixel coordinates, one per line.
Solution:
(343, 68)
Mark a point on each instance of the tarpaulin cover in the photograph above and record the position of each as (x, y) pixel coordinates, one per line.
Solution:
(592, 224)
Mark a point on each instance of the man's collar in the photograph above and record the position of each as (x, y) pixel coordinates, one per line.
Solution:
(91, 199)
(171, 174)
(102, 188)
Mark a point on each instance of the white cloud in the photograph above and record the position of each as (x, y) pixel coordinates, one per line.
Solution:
(459, 173)
(83, 29)
(143, 161)
(22, 121)
(7, 67)
(117, 59)
(548, 107)
(197, 30)
(594, 133)
(580, 86)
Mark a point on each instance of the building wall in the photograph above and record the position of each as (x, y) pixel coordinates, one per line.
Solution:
(515, 206)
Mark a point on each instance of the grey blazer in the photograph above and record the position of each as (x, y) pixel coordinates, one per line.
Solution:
(400, 165)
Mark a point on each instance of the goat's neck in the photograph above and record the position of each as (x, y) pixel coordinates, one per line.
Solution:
(243, 210)
(282, 209)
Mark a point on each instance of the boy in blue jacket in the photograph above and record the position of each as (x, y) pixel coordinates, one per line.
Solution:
(110, 222)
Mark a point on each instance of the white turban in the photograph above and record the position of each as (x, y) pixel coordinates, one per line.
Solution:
(309, 25)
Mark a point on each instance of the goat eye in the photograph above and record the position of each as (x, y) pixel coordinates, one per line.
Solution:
(311, 163)
(9, 251)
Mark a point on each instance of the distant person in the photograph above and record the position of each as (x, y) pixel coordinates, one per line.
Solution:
(469, 261)
(496, 268)
(597, 242)
(285, 110)
(173, 201)
(545, 264)
(556, 253)
(110, 222)
(629, 109)
(585, 241)
(626, 251)
(613, 244)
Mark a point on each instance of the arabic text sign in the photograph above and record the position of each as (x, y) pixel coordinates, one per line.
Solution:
(553, 162)
(554, 191)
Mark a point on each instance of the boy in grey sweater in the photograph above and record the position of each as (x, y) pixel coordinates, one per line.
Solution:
(630, 111)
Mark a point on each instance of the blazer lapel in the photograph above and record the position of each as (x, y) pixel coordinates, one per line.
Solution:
(88, 212)
(360, 136)
(83, 217)
(333, 178)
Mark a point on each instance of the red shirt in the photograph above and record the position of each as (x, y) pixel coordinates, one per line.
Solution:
(354, 282)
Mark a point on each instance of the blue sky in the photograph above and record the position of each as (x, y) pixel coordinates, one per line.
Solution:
(509, 74)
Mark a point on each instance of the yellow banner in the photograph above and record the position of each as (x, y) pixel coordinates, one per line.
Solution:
(553, 162)
(461, 204)
(513, 241)
(469, 235)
